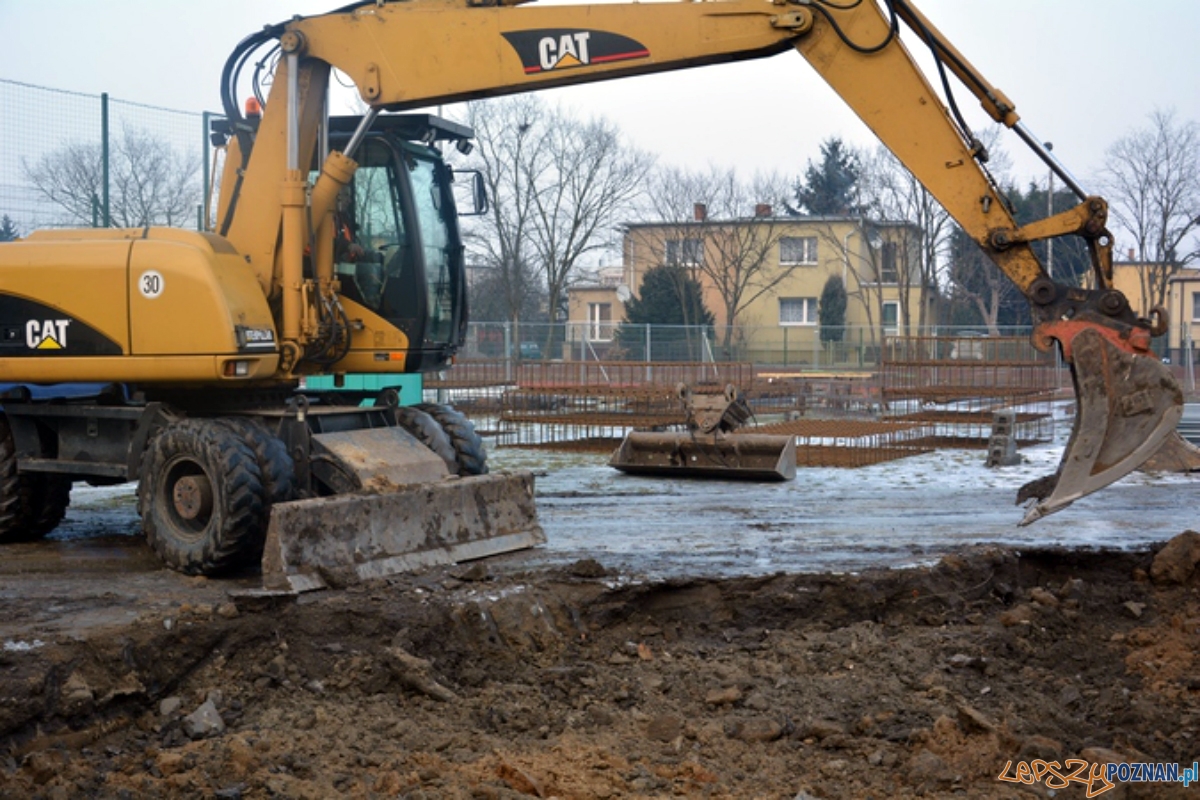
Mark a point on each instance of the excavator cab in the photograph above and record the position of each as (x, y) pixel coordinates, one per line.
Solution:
(404, 261)
(398, 252)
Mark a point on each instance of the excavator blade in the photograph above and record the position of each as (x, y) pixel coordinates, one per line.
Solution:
(1127, 406)
(400, 511)
(350, 538)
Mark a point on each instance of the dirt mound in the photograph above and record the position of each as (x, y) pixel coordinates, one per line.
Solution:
(577, 684)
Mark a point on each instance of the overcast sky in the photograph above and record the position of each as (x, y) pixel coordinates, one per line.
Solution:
(1082, 73)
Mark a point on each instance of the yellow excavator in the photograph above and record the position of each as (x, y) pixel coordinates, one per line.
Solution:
(191, 347)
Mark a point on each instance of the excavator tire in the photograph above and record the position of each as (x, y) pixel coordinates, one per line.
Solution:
(30, 505)
(51, 496)
(429, 433)
(276, 466)
(202, 498)
(274, 462)
(469, 456)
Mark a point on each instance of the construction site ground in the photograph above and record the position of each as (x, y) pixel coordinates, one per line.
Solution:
(673, 639)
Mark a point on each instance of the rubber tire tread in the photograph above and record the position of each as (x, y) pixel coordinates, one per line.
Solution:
(428, 432)
(236, 528)
(470, 456)
(51, 497)
(274, 462)
(18, 494)
(276, 466)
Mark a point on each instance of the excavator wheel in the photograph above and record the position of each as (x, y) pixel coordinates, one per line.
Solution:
(469, 456)
(51, 496)
(274, 464)
(429, 433)
(202, 498)
(30, 505)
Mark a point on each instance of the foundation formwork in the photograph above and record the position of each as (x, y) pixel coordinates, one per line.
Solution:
(930, 392)
(955, 385)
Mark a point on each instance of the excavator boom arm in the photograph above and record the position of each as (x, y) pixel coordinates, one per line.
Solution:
(417, 54)
(422, 52)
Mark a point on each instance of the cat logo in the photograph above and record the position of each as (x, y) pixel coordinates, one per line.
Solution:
(48, 335)
(568, 50)
(551, 49)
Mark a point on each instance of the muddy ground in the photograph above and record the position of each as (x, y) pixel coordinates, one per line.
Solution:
(575, 682)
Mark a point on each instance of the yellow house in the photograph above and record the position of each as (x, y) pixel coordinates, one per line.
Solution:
(1182, 302)
(768, 273)
(1183, 308)
(595, 307)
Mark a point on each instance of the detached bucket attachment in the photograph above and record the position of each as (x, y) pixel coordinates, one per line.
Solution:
(705, 451)
(755, 457)
(348, 538)
(1128, 405)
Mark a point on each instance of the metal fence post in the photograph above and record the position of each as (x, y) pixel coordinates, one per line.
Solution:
(104, 151)
(508, 353)
(648, 355)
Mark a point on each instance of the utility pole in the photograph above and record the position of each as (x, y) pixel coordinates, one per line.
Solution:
(1050, 213)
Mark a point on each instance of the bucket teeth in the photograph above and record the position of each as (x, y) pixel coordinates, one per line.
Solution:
(1127, 407)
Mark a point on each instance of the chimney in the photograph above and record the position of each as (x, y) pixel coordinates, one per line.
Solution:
(1131, 254)
(700, 212)
(762, 210)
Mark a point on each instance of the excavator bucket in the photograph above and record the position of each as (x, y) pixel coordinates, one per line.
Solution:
(1177, 454)
(1127, 407)
(407, 513)
(706, 450)
(749, 456)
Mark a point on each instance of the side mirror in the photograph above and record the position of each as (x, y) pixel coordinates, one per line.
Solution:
(479, 204)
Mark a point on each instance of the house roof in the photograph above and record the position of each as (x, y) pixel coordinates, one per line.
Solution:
(759, 220)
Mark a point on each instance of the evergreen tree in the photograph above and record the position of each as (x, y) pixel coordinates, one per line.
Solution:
(8, 229)
(669, 296)
(831, 310)
(672, 302)
(830, 188)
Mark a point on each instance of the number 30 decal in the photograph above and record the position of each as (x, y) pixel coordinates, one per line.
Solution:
(151, 284)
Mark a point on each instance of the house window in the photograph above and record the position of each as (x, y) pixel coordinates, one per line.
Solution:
(600, 328)
(685, 252)
(797, 311)
(891, 317)
(888, 271)
(797, 250)
(1195, 306)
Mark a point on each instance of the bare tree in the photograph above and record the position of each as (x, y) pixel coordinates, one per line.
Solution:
(975, 281)
(149, 182)
(1152, 179)
(505, 140)
(733, 244)
(586, 180)
(972, 280)
(558, 185)
(890, 192)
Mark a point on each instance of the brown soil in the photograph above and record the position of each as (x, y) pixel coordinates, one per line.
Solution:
(498, 683)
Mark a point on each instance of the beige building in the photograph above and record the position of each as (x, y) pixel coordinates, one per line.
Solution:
(792, 257)
(1182, 303)
(595, 307)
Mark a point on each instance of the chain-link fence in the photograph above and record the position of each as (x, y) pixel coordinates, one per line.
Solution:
(786, 347)
(74, 159)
